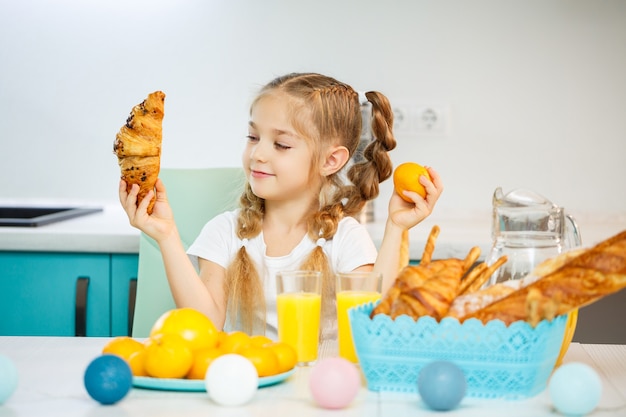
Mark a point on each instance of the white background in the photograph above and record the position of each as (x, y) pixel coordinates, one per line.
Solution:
(536, 89)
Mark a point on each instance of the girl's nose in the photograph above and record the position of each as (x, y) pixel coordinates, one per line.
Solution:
(258, 151)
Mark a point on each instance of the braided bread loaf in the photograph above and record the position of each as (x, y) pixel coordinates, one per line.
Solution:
(428, 289)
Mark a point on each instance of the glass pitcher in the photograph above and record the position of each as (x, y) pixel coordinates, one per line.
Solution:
(528, 229)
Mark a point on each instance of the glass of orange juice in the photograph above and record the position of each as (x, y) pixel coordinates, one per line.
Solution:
(299, 305)
(353, 289)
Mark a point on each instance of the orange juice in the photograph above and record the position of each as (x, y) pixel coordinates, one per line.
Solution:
(346, 300)
(299, 322)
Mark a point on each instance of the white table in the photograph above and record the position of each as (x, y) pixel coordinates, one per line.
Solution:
(51, 384)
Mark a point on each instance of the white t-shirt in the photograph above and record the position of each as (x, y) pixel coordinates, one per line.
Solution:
(350, 248)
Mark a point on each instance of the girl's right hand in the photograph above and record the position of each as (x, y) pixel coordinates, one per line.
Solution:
(160, 224)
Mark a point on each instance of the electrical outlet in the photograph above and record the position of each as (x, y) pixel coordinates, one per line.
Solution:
(401, 119)
(431, 120)
(420, 119)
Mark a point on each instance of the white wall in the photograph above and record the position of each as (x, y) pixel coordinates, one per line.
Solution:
(537, 89)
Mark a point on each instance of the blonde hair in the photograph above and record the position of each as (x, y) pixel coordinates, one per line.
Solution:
(326, 112)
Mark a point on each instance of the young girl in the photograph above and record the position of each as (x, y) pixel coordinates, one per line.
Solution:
(295, 211)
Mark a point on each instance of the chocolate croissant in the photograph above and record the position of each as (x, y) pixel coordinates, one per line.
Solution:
(138, 145)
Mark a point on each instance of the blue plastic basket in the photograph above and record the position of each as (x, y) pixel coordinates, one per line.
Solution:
(511, 362)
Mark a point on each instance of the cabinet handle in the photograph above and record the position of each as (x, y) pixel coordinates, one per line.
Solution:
(132, 295)
(80, 317)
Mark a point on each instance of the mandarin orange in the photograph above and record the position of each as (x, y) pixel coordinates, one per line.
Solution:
(286, 355)
(202, 358)
(123, 346)
(260, 340)
(136, 361)
(263, 359)
(234, 341)
(167, 355)
(406, 178)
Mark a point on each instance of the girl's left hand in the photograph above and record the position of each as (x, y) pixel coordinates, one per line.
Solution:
(406, 214)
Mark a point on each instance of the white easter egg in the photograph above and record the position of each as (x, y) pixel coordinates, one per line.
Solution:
(231, 380)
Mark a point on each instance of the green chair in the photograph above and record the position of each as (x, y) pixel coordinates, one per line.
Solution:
(196, 196)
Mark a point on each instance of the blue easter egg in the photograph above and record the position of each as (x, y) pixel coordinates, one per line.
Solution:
(8, 378)
(575, 389)
(441, 385)
(108, 379)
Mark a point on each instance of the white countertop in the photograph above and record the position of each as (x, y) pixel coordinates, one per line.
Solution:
(461, 230)
(104, 232)
(51, 369)
(109, 231)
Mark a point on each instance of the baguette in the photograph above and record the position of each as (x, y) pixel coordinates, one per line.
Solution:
(465, 304)
(581, 280)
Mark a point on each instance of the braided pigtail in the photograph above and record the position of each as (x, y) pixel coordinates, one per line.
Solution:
(243, 286)
(377, 166)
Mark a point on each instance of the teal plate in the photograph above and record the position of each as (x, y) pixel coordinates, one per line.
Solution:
(197, 385)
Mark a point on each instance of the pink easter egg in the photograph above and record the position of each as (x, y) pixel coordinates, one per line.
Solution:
(334, 382)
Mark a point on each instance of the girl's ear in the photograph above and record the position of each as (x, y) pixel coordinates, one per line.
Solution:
(335, 160)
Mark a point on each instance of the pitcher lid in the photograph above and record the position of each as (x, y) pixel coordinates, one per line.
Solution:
(520, 197)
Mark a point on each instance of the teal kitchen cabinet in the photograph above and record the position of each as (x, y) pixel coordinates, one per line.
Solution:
(65, 294)
(123, 289)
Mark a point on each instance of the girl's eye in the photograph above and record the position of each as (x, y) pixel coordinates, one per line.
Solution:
(252, 138)
(281, 146)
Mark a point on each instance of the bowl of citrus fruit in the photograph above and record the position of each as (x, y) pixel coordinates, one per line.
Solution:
(183, 343)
